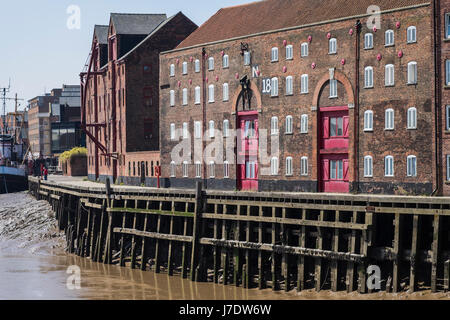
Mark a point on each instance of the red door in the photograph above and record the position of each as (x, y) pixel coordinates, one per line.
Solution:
(248, 145)
(334, 146)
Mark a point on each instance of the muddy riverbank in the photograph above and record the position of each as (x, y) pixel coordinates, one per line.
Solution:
(33, 265)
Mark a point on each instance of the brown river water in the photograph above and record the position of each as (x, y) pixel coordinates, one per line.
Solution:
(34, 266)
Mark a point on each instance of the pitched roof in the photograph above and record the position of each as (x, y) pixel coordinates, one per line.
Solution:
(136, 24)
(268, 15)
(101, 32)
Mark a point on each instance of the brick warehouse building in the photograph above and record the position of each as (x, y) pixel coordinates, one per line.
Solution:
(120, 94)
(354, 108)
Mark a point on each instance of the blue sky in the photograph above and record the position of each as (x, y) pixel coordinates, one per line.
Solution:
(38, 52)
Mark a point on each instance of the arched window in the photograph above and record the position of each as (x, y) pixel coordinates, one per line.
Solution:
(304, 84)
(289, 52)
(172, 70)
(226, 169)
(412, 72)
(172, 131)
(185, 169)
(368, 77)
(212, 131)
(226, 95)
(304, 124)
(368, 167)
(197, 95)
(411, 167)
(198, 169)
(304, 166)
(274, 54)
(332, 46)
(389, 119)
(247, 58)
(289, 125)
(185, 130)
(185, 97)
(274, 126)
(211, 64)
(368, 41)
(389, 166)
(412, 34)
(173, 169)
(305, 49)
(197, 130)
(289, 85)
(225, 61)
(274, 91)
(368, 120)
(389, 38)
(289, 169)
(212, 169)
(412, 118)
(274, 166)
(197, 66)
(333, 89)
(172, 98)
(185, 68)
(211, 93)
(389, 75)
(226, 128)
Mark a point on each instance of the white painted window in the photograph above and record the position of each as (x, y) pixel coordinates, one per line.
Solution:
(172, 131)
(212, 169)
(226, 169)
(412, 72)
(368, 41)
(389, 166)
(274, 55)
(304, 84)
(212, 130)
(172, 70)
(412, 118)
(447, 72)
(274, 91)
(226, 94)
(368, 77)
(389, 75)
(274, 126)
(289, 125)
(172, 98)
(197, 130)
(247, 58)
(333, 89)
(225, 61)
(447, 26)
(185, 130)
(448, 168)
(389, 119)
(411, 167)
(198, 169)
(368, 167)
(304, 166)
(211, 64)
(197, 95)
(304, 124)
(226, 128)
(368, 120)
(289, 85)
(197, 66)
(173, 169)
(289, 169)
(274, 166)
(185, 97)
(412, 34)
(211, 93)
(185, 68)
(289, 52)
(389, 38)
(332, 46)
(185, 169)
(447, 117)
(305, 49)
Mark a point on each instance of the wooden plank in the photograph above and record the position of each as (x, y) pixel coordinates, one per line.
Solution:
(196, 229)
(350, 264)
(184, 262)
(170, 255)
(144, 256)
(133, 243)
(301, 259)
(414, 261)
(122, 238)
(435, 253)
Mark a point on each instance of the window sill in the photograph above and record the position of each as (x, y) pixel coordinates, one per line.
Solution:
(411, 129)
(368, 48)
(411, 42)
(289, 94)
(368, 88)
(332, 97)
(447, 87)
(368, 130)
(389, 45)
(304, 93)
(304, 132)
(225, 67)
(446, 40)
(412, 84)
(389, 85)
(368, 177)
(289, 133)
(332, 53)
(389, 129)
(274, 61)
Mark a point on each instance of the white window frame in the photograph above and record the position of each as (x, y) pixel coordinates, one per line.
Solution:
(411, 166)
(448, 167)
(368, 41)
(412, 119)
(198, 169)
(185, 97)
(274, 166)
(368, 121)
(368, 77)
(289, 167)
(197, 66)
(305, 49)
(333, 89)
(173, 169)
(274, 54)
(289, 125)
(185, 68)
(304, 123)
(389, 74)
(197, 95)
(197, 130)
(247, 58)
(412, 72)
(289, 85)
(212, 169)
(411, 34)
(226, 92)
(388, 165)
(211, 90)
(389, 120)
(212, 129)
(447, 27)
(210, 63)
(173, 134)
(304, 84)
(289, 52)
(226, 169)
(332, 46)
(172, 98)
(447, 117)
(368, 167)
(226, 128)
(185, 130)
(225, 61)
(172, 70)
(185, 169)
(274, 130)
(274, 89)
(389, 38)
(447, 72)
(304, 166)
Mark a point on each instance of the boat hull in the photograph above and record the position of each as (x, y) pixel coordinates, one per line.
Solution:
(12, 180)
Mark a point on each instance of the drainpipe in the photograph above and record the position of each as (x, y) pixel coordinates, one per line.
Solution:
(436, 21)
(358, 27)
(205, 180)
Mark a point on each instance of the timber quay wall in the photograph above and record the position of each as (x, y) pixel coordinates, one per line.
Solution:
(259, 240)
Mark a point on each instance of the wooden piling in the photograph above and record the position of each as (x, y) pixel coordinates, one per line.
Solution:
(435, 253)
(196, 229)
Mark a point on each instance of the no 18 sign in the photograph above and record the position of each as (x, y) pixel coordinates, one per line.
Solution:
(267, 86)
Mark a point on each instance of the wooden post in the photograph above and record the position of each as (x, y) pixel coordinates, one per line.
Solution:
(236, 259)
(261, 280)
(414, 260)
(133, 240)
(216, 250)
(144, 243)
(319, 241)
(301, 259)
(274, 256)
(184, 263)
(122, 241)
(196, 229)
(158, 245)
(170, 262)
(447, 276)
(397, 249)
(435, 253)
(334, 262)
(248, 269)
(285, 257)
